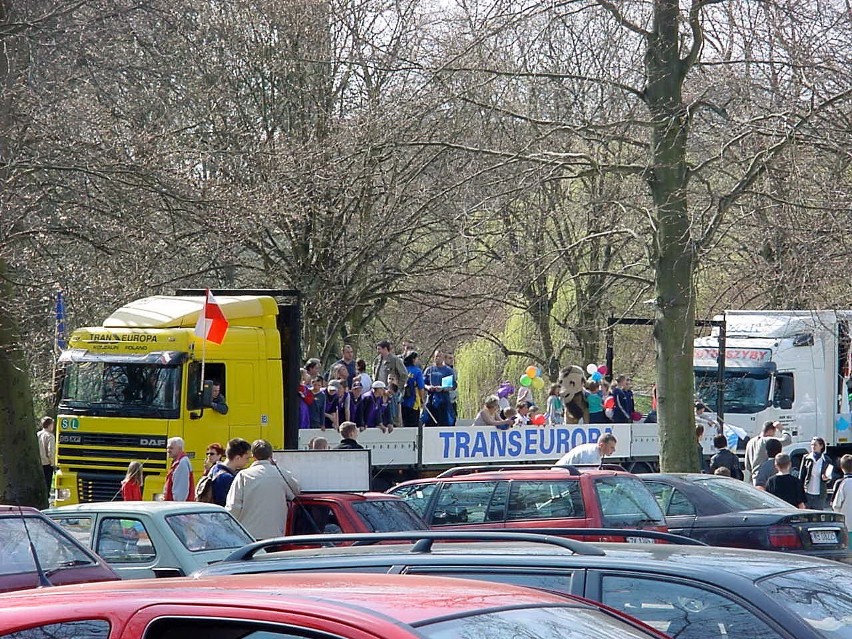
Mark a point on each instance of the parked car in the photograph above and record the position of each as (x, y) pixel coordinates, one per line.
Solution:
(31, 543)
(141, 539)
(351, 512)
(727, 512)
(554, 497)
(311, 606)
(689, 592)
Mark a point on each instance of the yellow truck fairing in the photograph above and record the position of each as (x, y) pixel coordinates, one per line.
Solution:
(134, 382)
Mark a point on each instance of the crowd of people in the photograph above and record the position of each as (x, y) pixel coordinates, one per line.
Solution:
(394, 392)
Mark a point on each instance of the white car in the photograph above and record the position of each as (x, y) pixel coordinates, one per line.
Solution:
(141, 539)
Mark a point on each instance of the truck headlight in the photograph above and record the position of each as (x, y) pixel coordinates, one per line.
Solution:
(159, 497)
(62, 494)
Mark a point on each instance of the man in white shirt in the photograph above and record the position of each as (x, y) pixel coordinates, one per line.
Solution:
(755, 453)
(47, 449)
(590, 454)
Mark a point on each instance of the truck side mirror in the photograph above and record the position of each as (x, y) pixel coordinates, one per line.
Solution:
(206, 394)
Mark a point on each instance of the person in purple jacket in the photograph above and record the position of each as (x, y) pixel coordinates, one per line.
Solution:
(375, 411)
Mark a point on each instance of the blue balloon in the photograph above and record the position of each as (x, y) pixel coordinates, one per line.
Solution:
(596, 376)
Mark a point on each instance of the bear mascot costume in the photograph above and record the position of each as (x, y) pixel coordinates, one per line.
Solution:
(571, 381)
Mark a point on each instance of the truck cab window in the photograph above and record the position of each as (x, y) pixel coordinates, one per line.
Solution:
(212, 371)
(784, 393)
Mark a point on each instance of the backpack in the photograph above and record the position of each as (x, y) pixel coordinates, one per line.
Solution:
(204, 489)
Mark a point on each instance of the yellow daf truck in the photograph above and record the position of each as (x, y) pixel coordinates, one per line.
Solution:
(135, 381)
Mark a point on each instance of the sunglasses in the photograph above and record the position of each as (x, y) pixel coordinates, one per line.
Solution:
(210, 453)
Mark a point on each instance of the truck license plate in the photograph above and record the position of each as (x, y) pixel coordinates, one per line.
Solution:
(639, 540)
(823, 537)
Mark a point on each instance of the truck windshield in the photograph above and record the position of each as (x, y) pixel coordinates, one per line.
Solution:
(745, 391)
(121, 389)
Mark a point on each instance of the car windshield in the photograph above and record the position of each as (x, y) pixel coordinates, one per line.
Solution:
(627, 503)
(738, 495)
(746, 392)
(121, 389)
(55, 551)
(822, 597)
(546, 622)
(388, 515)
(208, 531)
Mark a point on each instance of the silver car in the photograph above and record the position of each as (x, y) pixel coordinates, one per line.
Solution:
(153, 539)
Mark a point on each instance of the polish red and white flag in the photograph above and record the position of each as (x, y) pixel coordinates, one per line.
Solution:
(211, 324)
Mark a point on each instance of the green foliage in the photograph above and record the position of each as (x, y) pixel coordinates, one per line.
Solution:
(478, 363)
(519, 334)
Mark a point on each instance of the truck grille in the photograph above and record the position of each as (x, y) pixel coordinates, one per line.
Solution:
(81, 452)
(99, 487)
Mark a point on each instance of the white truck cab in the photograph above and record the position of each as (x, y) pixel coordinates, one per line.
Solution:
(789, 366)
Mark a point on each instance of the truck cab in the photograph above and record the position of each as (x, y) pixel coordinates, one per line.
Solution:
(786, 366)
(142, 377)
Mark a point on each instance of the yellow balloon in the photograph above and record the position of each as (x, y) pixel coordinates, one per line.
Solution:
(538, 383)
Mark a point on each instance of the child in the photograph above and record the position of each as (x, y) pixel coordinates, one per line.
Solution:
(724, 471)
(131, 486)
(595, 399)
(554, 407)
(522, 417)
(784, 485)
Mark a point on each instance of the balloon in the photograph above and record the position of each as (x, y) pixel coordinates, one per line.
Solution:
(603, 370)
(538, 383)
(531, 372)
(538, 420)
(505, 390)
(596, 376)
(526, 380)
(538, 372)
(591, 369)
(636, 416)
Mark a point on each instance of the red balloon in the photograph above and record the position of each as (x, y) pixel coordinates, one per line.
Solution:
(538, 420)
(603, 370)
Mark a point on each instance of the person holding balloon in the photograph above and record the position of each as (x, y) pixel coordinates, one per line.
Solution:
(530, 380)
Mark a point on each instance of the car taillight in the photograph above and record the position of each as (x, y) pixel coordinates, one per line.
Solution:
(784, 537)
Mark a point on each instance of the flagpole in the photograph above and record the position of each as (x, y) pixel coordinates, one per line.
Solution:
(204, 340)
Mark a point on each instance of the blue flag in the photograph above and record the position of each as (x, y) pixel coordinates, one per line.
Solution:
(61, 338)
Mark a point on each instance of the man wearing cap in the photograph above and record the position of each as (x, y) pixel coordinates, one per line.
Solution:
(755, 453)
(374, 408)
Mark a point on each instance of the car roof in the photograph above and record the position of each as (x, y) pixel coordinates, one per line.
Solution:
(17, 510)
(408, 599)
(339, 497)
(537, 474)
(668, 559)
(164, 507)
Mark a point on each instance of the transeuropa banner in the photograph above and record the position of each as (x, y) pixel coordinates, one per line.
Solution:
(487, 444)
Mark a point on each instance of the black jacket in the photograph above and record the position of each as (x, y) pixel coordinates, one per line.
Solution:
(727, 459)
(348, 444)
(806, 469)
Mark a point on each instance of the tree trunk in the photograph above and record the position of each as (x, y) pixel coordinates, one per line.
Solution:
(673, 253)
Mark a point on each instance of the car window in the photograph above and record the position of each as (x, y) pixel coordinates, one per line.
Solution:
(556, 580)
(80, 528)
(822, 597)
(312, 519)
(82, 629)
(124, 541)
(682, 610)
(417, 496)
(55, 550)
(671, 500)
(466, 502)
(388, 515)
(626, 502)
(544, 622)
(738, 495)
(545, 500)
(208, 531)
(214, 628)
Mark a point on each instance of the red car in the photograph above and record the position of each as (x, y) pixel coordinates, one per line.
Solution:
(29, 540)
(299, 606)
(552, 497)
(314, 513)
